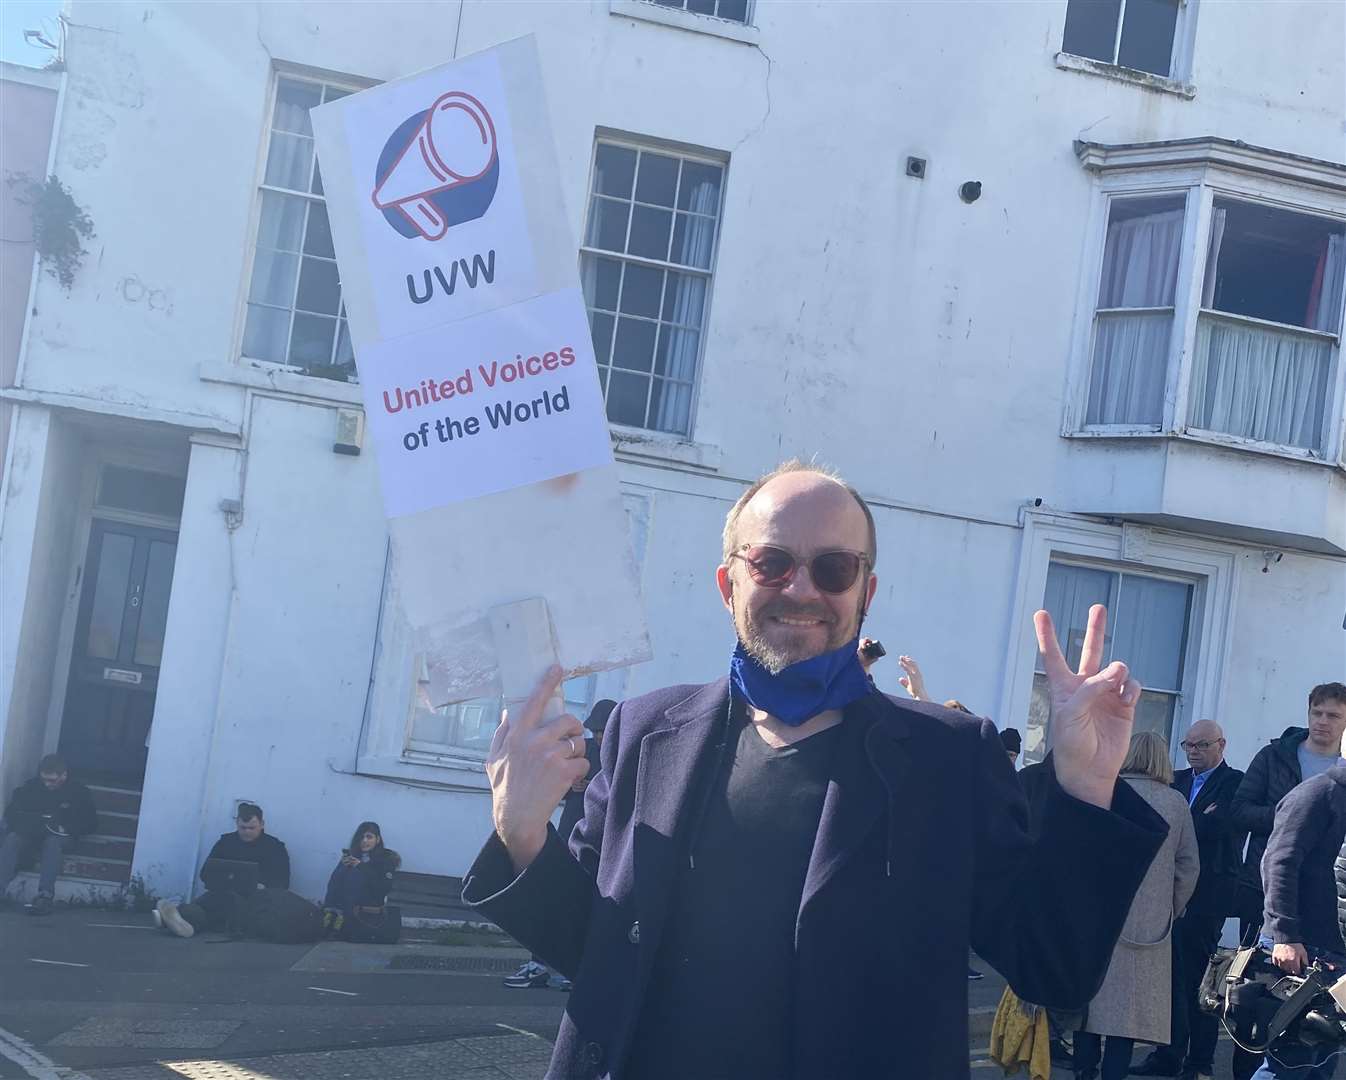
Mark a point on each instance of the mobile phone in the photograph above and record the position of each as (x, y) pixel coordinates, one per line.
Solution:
(874, 649)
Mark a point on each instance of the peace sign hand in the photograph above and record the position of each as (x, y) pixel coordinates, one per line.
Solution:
(1092, 711)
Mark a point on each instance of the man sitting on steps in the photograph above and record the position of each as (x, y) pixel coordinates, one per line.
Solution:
(45, 817)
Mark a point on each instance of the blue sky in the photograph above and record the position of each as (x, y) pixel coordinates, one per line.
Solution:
(16, 16)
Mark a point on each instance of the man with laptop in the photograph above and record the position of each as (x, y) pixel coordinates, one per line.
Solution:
(240, 863)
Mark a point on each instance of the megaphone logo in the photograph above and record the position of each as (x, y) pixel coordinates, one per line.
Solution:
(439, 168)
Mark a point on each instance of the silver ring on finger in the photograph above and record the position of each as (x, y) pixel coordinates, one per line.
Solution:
(571, 740)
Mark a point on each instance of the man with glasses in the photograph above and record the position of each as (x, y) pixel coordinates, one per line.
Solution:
(1209, 786)
(780, 873)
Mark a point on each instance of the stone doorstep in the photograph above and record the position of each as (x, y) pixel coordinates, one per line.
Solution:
(72, 889)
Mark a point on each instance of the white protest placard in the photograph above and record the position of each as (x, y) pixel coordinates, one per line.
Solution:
(484, 408)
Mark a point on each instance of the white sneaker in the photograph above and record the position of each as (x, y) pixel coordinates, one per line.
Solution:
(172, 921)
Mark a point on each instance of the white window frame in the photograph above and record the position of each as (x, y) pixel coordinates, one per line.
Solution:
(1179, 78)
(699, 155)
(745, 32)
(384, 747)
(1168, 169)
(352, 83)
(1210, 567)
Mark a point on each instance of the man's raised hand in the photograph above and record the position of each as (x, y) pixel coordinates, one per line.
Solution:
(532, 764)
(1092, 711)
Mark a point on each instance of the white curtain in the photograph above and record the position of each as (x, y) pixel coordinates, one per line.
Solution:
(1130, 365)
(1259, 383)
(1327, 316)
(688, 308)
(1140, 261)
(1217, 222)
(1130, 361)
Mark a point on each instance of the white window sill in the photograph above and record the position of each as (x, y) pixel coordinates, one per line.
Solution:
(1070, 62)
(640, 447)
(426, 770)
(649, 11)
(1210, 438)
(259, 375)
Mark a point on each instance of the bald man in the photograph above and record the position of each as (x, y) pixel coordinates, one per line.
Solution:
(775, 875)
(1209, 787)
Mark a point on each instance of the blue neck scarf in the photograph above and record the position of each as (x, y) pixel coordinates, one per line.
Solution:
(830, 681)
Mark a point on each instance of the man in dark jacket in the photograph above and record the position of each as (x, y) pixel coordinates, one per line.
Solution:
(744, 835)
(216, 908)
(1301, 904)
(1208, 786)
(45, 817)
(1298, 754)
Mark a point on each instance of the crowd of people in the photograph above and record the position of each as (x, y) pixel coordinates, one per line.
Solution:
(763, 823)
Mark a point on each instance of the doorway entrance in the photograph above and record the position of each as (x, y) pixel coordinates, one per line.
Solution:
(118, 646)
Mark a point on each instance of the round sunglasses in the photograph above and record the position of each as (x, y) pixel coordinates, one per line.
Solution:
(773, 567)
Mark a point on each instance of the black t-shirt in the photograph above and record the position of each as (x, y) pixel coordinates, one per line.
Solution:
(719, 1000)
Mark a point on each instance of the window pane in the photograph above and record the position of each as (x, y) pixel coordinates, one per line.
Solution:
(737, 10)
(345, 353)
(1037, 728)
(316, 186)
(658, 179)
(1130, 368)
(700, 190)
(109, 596)
(289, 162)
(154, 603)
(627, 393)
(282, 224)
(318, 238)
(293, 101)
(614, 170)
(1140, 256)
(266, 333)
(1275, 264)
(319, 287)
(693, 240)
(607, 224)
(602, 279)
(649, 232)
(1091, 28)
(602, 327)
(676, 354)
(273, 278)
(642, 290)
(685, 299)
(140, 491)
(335, 93)
(670, 406)
(1154, 712)
(634, 346)
(1151, 629)
(1147, 35)
(1070, 592)
(701, 7)
(1260, 382)
(311, 340)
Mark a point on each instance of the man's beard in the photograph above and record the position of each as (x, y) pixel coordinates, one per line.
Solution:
(777, 657)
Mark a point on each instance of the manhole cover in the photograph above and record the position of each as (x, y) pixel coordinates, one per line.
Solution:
(486, 965)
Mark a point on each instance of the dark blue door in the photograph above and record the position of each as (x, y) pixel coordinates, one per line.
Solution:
(119, 641)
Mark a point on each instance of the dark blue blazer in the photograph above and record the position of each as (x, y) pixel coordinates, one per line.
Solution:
(922, 850)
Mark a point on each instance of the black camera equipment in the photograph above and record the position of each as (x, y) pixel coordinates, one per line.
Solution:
(1258, 1002)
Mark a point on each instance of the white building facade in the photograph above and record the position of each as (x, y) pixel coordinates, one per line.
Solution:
(1060, 293)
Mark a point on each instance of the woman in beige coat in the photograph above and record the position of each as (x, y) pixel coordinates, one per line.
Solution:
(1133, 1003)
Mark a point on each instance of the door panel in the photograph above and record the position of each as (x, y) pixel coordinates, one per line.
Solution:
(119, 640)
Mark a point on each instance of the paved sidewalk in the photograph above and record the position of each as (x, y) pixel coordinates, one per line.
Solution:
(503, 1057)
